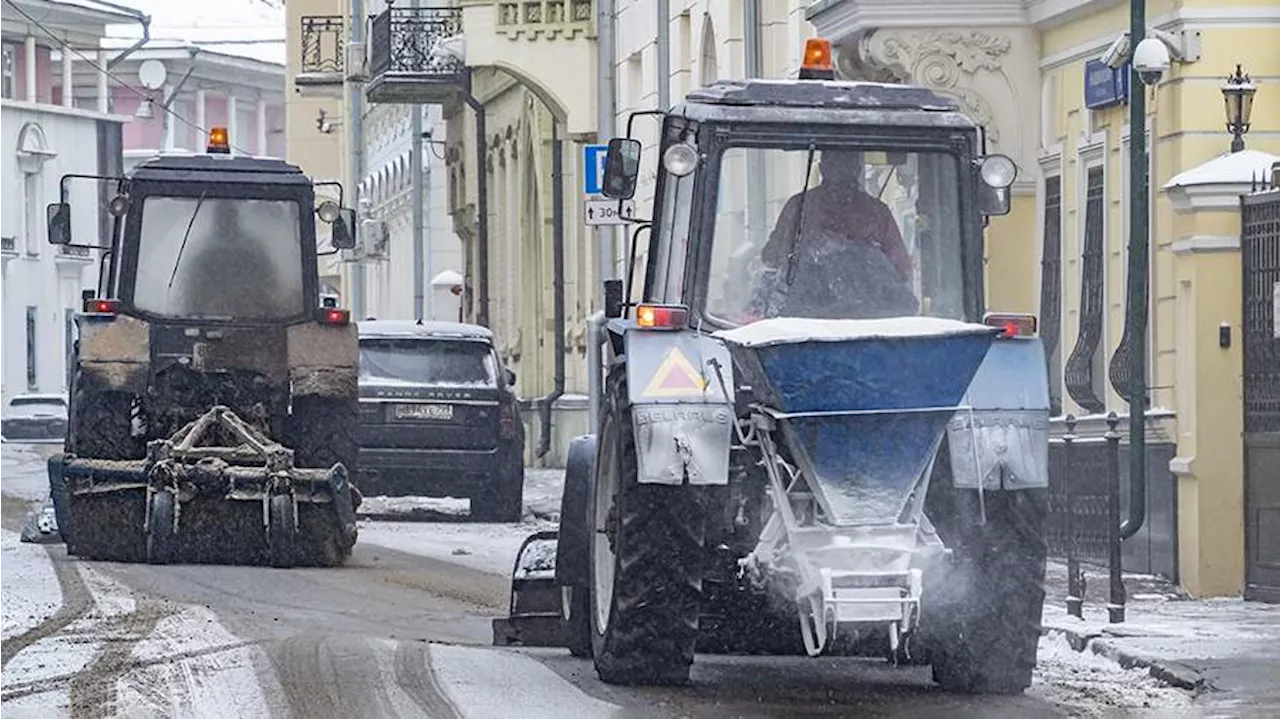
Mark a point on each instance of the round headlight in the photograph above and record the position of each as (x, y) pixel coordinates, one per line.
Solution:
(119, 206)
(998, 171)
(680, 159)
(328, 211)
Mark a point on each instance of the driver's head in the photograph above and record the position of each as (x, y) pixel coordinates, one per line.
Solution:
(842, 167)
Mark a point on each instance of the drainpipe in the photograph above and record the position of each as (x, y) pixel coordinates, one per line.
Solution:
(1137, 300)
(415, 180)
(606, 115)
(482, 207)
(143, 19)
(664, 54)
(755, 166)
(355, 138)
(557, 284)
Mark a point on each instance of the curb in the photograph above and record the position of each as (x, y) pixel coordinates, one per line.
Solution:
(1170, 672)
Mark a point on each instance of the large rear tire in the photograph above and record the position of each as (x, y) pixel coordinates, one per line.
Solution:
(646, 562)
(982, 610)
(162, 540)
(322, 433)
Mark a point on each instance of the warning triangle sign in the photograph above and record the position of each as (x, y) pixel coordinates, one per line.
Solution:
(676, 377)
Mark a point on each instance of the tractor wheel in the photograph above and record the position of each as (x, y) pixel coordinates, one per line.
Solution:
(282, 531)
(100, 426)
(162, 540)
(646, 562)
(982, 610)
(579, 622)
(323, 432)
(320, 542)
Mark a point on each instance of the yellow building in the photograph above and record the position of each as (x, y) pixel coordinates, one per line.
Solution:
(1021, 68)
(315, 39)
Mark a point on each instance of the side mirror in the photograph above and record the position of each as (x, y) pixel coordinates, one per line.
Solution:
(993, 201)
(621, 168)
(613, 299)
(59, 223)
(511, 377)
(344, 229)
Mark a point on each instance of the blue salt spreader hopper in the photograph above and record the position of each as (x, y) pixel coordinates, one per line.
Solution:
(861, 405)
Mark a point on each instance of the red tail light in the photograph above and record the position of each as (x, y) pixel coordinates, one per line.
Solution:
(506, 422)
(333, 316)
(101, 307)
(1014, 325)
(662, 317)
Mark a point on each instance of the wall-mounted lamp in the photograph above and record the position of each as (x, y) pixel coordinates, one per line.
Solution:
(1238, 93)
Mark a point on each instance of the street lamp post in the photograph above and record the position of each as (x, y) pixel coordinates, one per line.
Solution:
(1238, 92)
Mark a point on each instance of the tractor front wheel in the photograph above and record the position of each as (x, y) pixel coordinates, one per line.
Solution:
(983, 608)
(646, 562)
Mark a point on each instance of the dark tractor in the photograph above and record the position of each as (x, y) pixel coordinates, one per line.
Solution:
(813, 438)
(213, 406)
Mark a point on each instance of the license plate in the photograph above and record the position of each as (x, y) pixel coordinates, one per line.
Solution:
(438, 412)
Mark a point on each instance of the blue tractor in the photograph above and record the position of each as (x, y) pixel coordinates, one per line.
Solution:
(812, 436)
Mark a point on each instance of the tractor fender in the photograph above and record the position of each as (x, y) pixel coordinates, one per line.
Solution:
(573, 545)
(1003, 443)
(681, 390)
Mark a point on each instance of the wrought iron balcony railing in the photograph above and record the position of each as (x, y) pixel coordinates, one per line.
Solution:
(323, 46)
(407, 41)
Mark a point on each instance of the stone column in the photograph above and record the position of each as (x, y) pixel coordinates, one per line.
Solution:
(233, 129)
(68, 91)
(104, 94)
(261, 145)
(30, 68)
(200, 120)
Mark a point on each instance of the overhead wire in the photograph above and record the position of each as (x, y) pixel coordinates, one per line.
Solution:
(119, 81)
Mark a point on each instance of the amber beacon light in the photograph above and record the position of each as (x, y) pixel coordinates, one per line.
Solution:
(218, 142)
(817, 60)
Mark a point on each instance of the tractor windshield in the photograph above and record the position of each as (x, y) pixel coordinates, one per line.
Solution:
(836, 234)
(219, 258)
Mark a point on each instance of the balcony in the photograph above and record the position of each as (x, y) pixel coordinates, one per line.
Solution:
(323, 47)
(409, 60)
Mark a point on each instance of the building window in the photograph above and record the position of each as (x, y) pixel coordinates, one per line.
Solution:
(1086, 370)
(32, 383)
(1119, 374)
(8, 65)
(1051, 288)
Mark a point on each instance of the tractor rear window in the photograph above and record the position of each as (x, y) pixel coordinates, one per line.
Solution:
(432, 362)
(836, 234)
(220, 258)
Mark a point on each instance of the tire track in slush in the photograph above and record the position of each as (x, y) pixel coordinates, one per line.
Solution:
(418, 679)
(76, 602)
(92, 692)
(327, 675)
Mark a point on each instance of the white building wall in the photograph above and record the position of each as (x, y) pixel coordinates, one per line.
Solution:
(35, 273)
(387, 187)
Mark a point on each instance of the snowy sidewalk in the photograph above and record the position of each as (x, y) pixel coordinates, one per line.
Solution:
(1226, 650)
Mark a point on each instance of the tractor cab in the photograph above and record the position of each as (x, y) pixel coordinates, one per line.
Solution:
(816, 199)
(184, 228)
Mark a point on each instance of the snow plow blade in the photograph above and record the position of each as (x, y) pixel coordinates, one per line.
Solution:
(537, 616)
(217, 491)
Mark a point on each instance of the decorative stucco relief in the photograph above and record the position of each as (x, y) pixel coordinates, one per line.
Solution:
(992, 76)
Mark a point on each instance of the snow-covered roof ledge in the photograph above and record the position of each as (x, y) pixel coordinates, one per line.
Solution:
(1219, 183)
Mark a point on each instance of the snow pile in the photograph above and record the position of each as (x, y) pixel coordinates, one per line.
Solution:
(487, 547)
(30, 593)
(538, 561)
(786, 330)
(23, 470)
(1092, 685)
(542, 490)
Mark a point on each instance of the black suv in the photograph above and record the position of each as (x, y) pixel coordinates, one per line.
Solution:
(439, 417)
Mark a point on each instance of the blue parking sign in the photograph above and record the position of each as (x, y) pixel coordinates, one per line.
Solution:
(593, 168)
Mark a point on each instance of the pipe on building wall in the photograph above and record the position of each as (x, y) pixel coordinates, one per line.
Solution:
(606, 116)
(355, 141)
(557, 285)
(664, 54)
(416, 195)
(482, 207)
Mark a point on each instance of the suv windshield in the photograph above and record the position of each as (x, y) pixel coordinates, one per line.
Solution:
(434, 362)
(220, 258)
(835, 234)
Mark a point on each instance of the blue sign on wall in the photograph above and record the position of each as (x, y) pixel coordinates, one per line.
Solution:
(1104, 86)
(593, 168)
